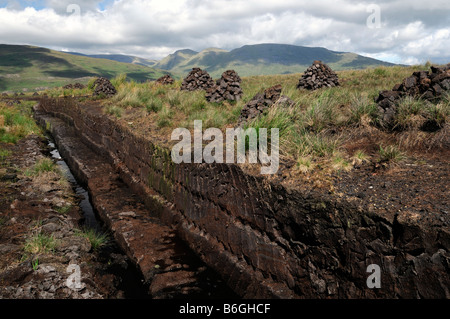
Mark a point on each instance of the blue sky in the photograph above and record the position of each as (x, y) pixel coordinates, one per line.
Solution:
(42, 4)
(399, 31)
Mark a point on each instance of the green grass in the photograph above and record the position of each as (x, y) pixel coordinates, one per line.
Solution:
(415, 113)
(16, 122)
(155, 104)
(323, 113)
(114, 110)
(44, 165)
(362, 110)
(3, 155)
(96, 239)
(302, 132)
(35, 264)
(277, 117)
(340, 163)
(360, 157)
(381, 72)
(40, 243)
(305, 164)
(41, 166)
(390, 153)
(64, 209)
(61, 92)
(318, 146)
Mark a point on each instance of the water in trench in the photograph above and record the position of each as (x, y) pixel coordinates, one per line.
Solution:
(90, 220)
(131, 280)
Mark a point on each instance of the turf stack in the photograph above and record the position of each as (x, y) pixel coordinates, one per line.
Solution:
(317, 76)
(228, 87)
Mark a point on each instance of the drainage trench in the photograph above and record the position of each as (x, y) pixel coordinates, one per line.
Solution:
(90, 219)
(130, 282)
(158, 263)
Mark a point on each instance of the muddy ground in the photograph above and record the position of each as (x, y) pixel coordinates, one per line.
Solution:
(43, 207)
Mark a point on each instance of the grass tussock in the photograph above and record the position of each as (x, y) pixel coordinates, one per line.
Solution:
(4, 154)
(64, 209)
(390, 153)
(359, 157)
(44, 165)
(40, 243)
(413, 114)
(96, 239)
(305, 164)
(47, 172)
(114, 110)
(16, 122)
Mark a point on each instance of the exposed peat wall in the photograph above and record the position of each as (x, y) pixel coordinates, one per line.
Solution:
(265, 240)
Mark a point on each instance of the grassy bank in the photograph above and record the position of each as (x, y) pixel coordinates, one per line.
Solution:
(16, 121)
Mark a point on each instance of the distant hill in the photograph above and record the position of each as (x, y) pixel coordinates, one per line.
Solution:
(29, 67)
(263, 59)
(120, 58)
(176, 59)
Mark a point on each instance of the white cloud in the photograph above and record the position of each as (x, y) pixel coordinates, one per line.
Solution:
(60, 6)
(410, 30)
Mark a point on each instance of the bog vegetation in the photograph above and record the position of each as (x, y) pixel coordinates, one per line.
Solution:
(314, 132)
(16, 122)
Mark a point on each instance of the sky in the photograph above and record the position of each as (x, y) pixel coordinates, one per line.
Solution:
(398, 31)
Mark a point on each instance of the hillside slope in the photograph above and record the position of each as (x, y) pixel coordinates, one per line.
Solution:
(33, 68)
(120, 58)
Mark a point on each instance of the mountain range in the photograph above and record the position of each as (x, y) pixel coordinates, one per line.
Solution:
(259, 59)
(29, 67)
